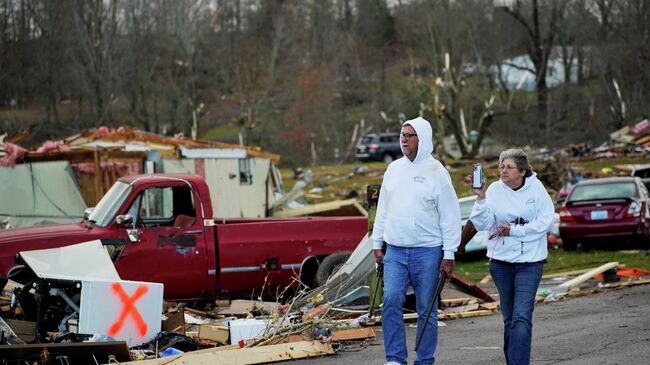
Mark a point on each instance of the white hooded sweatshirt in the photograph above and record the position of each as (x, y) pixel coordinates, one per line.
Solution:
(417, 205)
(502, 204)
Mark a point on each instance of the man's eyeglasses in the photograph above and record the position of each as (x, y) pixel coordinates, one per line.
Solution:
(408, 135)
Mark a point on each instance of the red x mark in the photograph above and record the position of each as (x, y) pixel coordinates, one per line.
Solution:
(128, 308)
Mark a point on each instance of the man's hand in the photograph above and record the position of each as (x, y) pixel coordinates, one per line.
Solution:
(446, 265)
(379, 256)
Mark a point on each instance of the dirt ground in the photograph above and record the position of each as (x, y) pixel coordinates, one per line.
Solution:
(609, 327)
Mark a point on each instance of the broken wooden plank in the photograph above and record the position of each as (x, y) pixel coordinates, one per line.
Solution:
(175, 322)
(565, 273)
(316, 312)
(462, 308)
(478, 313)
(245, 356)
(491, 305)
(214, 332)
(243, 307)
(454, 302)
(588, 275)
(25, 330)
(353, 334)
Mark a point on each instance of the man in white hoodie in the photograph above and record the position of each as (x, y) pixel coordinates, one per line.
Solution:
(418, 216)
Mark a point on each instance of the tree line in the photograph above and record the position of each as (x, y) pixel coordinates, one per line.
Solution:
(307, 78)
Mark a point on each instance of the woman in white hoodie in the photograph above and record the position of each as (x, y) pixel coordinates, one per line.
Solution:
(518, 212)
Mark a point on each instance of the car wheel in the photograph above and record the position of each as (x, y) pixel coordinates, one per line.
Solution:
(388, 158)
(330, 265)
(569, 245)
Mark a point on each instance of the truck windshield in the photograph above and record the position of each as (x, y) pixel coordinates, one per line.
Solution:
(105, 210)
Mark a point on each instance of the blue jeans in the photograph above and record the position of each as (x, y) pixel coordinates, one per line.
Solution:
(418, 267)
(517, 284)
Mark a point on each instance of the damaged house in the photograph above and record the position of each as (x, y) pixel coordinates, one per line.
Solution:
(58, 181)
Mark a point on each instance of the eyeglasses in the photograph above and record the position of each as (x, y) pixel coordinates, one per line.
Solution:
(506, 167)
(408, 135)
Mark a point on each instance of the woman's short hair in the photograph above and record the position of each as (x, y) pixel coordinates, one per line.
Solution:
(519, 157)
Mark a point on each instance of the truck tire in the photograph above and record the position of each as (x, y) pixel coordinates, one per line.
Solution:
(330, 265)
(388, 158)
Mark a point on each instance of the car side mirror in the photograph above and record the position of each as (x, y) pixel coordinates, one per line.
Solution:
(87, 212)
(124, 221)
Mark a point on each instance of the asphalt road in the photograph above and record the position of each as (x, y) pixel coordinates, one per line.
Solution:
(610, 327)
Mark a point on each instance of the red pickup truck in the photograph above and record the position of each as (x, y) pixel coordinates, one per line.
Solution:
(159, 228)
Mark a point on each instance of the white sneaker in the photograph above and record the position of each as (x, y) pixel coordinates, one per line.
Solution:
(392, 363)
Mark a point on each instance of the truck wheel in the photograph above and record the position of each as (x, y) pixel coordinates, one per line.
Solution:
(330, 265)
(388, 158)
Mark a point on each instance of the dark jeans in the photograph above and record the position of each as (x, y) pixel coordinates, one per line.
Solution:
(517, 284)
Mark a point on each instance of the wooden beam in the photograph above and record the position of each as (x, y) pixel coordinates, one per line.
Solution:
(76, 156)
(245, 356)
(454, 302)
(353, 334)
(588, 275)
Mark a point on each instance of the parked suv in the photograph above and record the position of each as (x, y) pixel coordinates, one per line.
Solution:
(379, 147)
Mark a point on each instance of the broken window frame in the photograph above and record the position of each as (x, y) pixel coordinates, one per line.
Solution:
(245, 176)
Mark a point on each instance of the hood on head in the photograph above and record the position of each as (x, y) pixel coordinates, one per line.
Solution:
(425, 137)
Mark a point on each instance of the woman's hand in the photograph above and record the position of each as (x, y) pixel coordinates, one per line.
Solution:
(505, 229)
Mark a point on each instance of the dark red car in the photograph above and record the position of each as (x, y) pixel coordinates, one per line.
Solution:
(614, 209)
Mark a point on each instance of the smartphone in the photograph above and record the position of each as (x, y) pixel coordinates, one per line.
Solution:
(477, 176)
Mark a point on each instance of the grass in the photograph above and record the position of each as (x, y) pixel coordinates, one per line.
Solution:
(560, 261)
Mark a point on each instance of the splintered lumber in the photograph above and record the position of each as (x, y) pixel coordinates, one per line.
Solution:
(454, 302)
(244, 307)
(353, 334)
(462, 308)
(588, 275)
(25, 330)
(175, 322)
(565, 273)
(245, 356)
(491, 305)
(214, 332)
(442, 316)
(471, 314)
(316, 312)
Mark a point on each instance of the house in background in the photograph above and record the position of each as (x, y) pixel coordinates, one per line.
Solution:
(57, 182)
